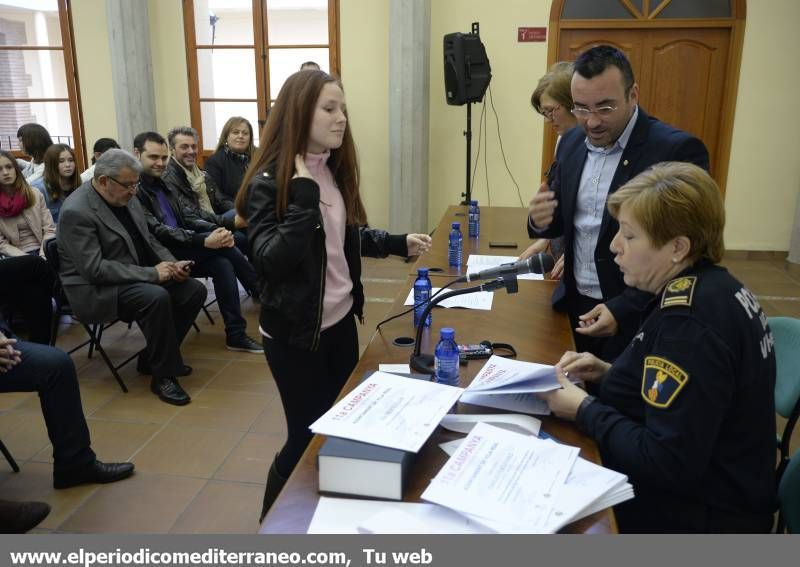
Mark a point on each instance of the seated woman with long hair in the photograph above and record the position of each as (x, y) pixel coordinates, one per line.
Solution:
(25, 222)
(228, 164)
(60, 177)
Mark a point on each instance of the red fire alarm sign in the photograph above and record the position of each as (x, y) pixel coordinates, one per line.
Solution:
(531, 34)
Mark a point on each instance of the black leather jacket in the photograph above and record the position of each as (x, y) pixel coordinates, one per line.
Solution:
(290, 257)
(175, 178)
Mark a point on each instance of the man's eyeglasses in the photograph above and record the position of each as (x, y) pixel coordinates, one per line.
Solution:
(583, 113)
(129, 186)
(548, 112)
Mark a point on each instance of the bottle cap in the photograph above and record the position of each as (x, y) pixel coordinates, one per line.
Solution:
(422, 272)
(456, 225)
(474, 202)
(447, 333)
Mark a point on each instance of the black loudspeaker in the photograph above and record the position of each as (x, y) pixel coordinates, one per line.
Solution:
(466, 68)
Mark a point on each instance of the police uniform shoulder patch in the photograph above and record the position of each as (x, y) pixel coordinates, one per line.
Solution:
(662, 380)
(679, 292)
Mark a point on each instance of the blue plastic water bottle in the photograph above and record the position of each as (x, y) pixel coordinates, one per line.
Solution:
(454, 246)
(474, 219)
(422, 293)
(446, 358)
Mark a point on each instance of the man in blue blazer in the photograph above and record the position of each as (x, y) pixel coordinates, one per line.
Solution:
(613, 142)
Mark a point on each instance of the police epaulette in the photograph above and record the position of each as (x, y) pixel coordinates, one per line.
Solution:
(679, 292)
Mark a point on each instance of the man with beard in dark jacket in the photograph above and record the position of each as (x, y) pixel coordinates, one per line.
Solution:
(190, 237)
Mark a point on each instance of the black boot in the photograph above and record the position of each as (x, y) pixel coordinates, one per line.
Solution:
(275, 482)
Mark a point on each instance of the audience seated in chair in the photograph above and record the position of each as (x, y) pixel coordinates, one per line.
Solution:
(227, 165)
(30, 367)
(113, 268)
(25, 222)
(34, 139)
(213, 253)
(60, 177)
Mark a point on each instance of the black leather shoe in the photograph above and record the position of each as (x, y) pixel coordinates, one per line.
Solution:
(143, 367)
(20, 517)
(168, 390)
(97, 471)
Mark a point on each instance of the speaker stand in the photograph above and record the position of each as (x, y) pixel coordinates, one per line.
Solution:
(468, 133)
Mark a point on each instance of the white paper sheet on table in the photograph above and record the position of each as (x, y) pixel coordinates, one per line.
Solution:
(496, 475)
(464, 422)
(521, 403)
(395, 368)
(389, 410)
(508, 376)
(480, 262)
(352, 516)
(481, 300)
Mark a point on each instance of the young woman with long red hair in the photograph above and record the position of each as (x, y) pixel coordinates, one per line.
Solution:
(307, 229)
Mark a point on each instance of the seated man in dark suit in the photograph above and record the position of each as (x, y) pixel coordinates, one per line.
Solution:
(113, 268)
(31, 367)
(213, 252)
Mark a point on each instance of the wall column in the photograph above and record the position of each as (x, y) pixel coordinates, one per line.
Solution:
(409, 82)
(131, 68)
(794, 243)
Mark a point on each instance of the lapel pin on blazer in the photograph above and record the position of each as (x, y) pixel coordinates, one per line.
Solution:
(625, 162)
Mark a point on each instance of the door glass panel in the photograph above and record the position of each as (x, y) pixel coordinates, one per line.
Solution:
(290, 22)
(223, 22)
(216, 114)
(284, 62)
(54, 116)
(594, 10)
(29, 23)
(696, 9)
(226, 73)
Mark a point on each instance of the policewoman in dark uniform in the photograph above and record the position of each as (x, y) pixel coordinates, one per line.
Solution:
(687, 410)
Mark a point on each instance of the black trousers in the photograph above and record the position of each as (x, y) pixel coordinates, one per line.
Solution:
(50, 372)
(309, 382)
(26, 285)
(164, 313)
(577, 305)
(223, 266)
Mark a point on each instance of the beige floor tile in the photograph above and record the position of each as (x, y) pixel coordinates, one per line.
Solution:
(222, 507)
(782, 308)
(12, 400)
(144, 503)
(35, 482)
(138, 405)
(774, 289)
(187, 451)
(24, 433)
(223, 409)
(246, 376)
(271, 421)
(251, 459)
(112, 441)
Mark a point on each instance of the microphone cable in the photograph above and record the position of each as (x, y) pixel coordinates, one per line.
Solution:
(410, 309)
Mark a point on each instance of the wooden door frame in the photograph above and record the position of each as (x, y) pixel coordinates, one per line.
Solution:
(736, 24)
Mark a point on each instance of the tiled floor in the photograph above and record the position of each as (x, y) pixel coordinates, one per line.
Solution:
(201, 468)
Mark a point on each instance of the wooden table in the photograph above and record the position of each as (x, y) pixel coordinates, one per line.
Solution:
(524, 319)
(498, 224)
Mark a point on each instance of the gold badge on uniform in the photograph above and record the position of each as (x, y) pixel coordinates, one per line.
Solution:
(661, 381)
(679, 292)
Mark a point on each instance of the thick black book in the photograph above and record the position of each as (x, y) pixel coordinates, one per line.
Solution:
(354, 468)
(362, 469)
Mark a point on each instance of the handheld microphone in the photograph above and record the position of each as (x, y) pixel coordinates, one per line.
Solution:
(540, 263)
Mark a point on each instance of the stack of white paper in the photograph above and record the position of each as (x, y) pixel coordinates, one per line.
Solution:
(511, 385)
(390, 411)
(514, 483)
(480, 262)
(481, 300)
